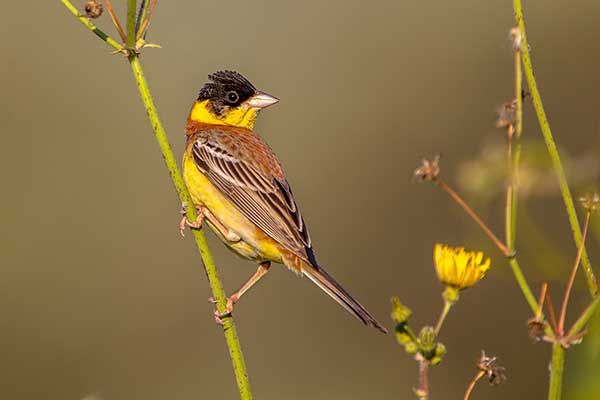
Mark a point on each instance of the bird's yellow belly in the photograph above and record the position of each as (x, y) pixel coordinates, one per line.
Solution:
(254, 243)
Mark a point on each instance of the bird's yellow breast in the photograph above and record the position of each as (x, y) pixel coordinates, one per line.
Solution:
(254, 243)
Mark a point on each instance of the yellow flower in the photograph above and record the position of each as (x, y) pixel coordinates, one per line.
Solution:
(458, 268)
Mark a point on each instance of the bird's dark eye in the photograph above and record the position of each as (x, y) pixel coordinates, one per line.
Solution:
(232, 97)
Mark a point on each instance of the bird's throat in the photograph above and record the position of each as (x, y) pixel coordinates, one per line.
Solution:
(240, 116)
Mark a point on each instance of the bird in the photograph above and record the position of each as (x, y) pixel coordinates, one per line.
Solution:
(239, 188)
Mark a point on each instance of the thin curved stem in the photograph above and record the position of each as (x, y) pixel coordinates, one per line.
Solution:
(146, 19)
(115, 20)
(477, 377)
(229, 329)
(88, 24)
(584, 318)
(514, 155)
(442, 318)
(563, 311)
(523, 285)
(552, 150)
(441, 183)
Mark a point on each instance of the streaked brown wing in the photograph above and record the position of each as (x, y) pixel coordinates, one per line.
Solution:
(263, 198)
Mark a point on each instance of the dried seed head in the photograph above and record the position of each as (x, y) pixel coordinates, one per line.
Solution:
(516, 37)
(429, 169)
(93, 9)
(494, 372)
(590, 202)
(506, 115)
(537, 327)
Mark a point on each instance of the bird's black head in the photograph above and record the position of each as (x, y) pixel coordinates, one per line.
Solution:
(226, 89)
(229, 99)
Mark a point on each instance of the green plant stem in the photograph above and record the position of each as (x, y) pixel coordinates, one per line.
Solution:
(556, 371)
(523, 285)
(229, 329)
(512, 190)
(528, 294)
(85, 21)
(514, 155)
(582, 321)
(131, 11)
(442, 318)
(552, 150)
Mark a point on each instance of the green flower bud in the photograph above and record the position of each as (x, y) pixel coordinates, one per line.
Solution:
(400, 313)
(411, 347)
(438, 354)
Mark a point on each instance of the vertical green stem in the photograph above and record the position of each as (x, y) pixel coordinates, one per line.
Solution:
(556, 371)
(131, 11)
(552, 150)
(514, 155)
(229, 329)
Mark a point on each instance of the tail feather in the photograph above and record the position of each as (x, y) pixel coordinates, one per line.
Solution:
(323, 280)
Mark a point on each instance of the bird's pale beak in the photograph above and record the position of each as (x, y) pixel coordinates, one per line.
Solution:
(261, 100)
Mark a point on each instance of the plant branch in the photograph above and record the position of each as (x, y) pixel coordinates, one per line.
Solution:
(441, 183)
(442, 318)
(115, 20)
(477, 377)
(563, 311)
(538, 314)
(88, 24)
(523, 285)
(552, 150)
(551, 312)
(584, 318)
(146, 19)
(229, 329)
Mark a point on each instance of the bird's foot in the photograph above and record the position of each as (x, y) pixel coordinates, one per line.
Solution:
(203, 213)
(185, 222)
(231, 300)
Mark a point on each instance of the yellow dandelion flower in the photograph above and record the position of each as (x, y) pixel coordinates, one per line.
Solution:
(458, 268)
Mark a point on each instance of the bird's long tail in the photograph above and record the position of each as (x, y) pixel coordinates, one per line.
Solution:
(323, 280)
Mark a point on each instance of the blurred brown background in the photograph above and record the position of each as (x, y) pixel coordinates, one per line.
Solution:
(100, 296)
